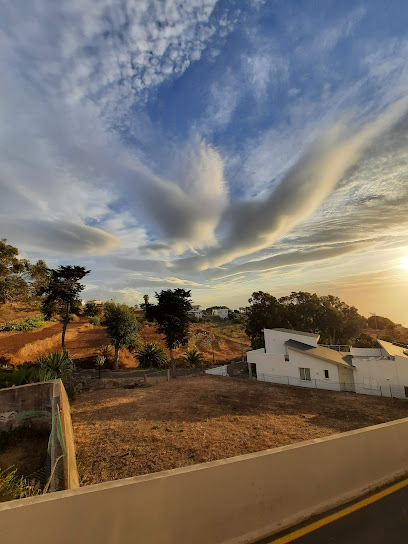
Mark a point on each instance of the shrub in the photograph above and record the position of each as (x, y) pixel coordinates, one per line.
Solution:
(193, 357)
(28, 325)
(12, 487)
(74, 318)
(95, 320)
(55, 365)
(152, 355)
(134, 343)
(92, 309)
(106, 351)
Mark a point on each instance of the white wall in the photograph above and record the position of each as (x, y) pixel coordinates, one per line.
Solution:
(221, 312)
(275, 340)
(218, 371)
(230, 501)
(366, 352)
(272, 367)
(383, 376)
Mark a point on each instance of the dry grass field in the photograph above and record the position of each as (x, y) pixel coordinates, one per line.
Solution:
(121, 433)
(84, 341)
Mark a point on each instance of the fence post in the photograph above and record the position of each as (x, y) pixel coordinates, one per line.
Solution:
(145, 377)
(168, 374)
(381, 391)
(391, 393)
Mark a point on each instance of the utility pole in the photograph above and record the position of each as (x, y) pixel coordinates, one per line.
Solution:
(375, 318)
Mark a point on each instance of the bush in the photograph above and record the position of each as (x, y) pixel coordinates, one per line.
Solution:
(152, 355)
(193, 357)
(55, 365)
(28, 325)
(106, 351)
(74, 318)
(95, 320)
(257, 343)
(12, 487)
(92, 309)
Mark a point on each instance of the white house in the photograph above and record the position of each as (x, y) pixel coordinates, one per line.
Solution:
(220, 312)
(381, 371)
(295, 358)
(195, 311)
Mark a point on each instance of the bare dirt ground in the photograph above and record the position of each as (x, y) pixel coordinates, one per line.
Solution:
(121, 433)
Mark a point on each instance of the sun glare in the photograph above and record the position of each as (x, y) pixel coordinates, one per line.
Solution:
(404, 261)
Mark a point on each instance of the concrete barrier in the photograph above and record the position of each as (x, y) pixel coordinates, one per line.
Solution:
(24, 404)
(232, 501)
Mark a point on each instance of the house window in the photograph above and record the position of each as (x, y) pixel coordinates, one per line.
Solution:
(305, 374)
(406, 391)
(326, 374)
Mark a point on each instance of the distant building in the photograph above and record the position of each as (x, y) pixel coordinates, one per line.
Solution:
(195, 311)
(220, 312)
(97, 302)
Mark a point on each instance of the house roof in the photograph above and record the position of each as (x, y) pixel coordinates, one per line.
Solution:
(312, 334)
(320, 352)
(392, 349)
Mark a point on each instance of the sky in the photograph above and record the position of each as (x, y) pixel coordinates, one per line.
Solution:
(220, 146)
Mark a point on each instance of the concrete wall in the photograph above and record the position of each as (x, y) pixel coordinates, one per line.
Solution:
(47, 397)
(218, 371)
(366, 352)
(232, 501)
(384, 377)
(24, 398)
(275, 340)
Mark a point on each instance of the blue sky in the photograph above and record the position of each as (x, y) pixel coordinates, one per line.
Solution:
(222, 146)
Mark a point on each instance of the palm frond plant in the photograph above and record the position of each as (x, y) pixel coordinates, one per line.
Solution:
(55, 365)
(151, 355)
(100, 361)
(193, 357)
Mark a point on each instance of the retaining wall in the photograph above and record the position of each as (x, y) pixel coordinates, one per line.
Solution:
(24, 404)
(231, 501)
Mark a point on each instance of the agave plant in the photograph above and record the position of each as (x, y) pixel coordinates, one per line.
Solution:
(151, 354)
(193, 357)
(55, 365)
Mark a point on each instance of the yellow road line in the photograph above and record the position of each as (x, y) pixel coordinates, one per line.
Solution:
(341, 514)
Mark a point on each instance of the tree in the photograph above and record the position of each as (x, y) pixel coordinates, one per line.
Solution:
(61, 294)
(151, 355)
(38, 276)
(92, 309)
(13, 287)
(171, 317)
(122, 326)
(379, 322)
(264, 312)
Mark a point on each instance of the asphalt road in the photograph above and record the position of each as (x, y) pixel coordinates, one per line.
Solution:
(385, 521)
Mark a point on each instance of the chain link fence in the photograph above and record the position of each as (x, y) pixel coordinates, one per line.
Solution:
(393, 391)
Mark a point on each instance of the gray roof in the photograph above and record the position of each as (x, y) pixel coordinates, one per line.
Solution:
(312, 334)
(320, 352)
(392, 349)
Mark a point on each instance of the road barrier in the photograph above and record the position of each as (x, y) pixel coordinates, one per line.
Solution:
(230, 501)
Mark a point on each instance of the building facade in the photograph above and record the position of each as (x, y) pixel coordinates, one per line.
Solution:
(295, 358)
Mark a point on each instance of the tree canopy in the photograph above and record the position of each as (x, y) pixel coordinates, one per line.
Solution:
(61, 293)
(122, 327)
(171, 317)
(333, 319)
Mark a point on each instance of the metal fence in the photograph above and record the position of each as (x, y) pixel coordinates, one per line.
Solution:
(393, 391)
